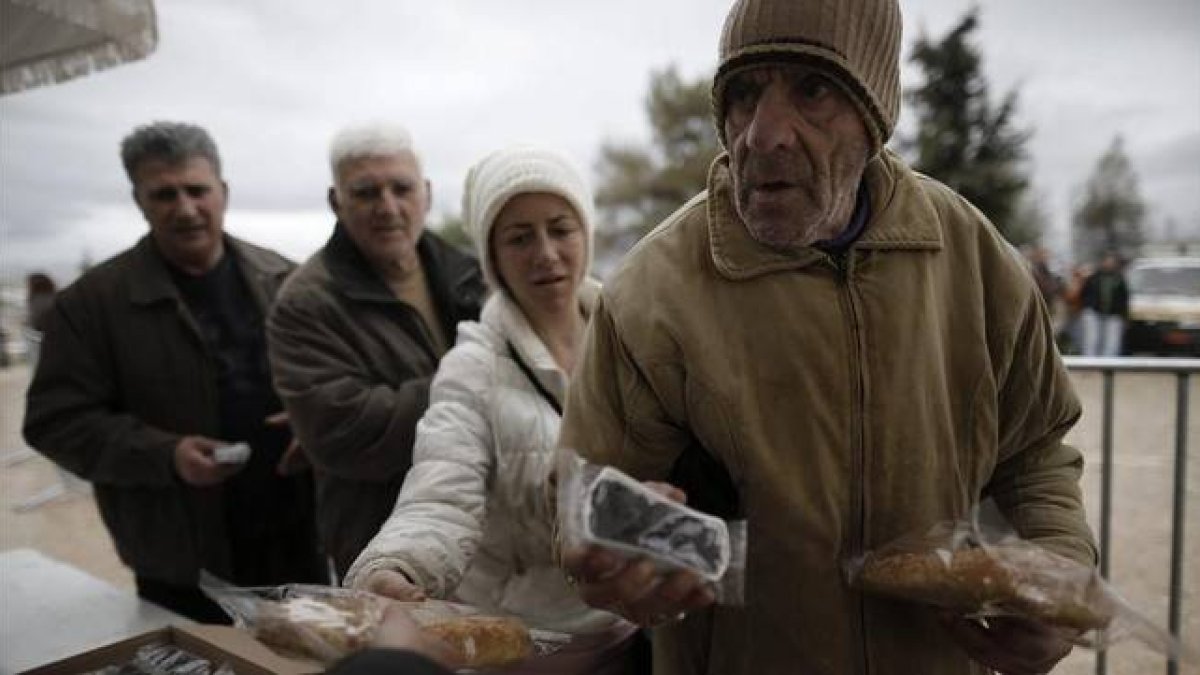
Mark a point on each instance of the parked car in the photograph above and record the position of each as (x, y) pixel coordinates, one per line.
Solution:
(1164, 306)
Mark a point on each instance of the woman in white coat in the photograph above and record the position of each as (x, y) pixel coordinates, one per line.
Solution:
(473, 522)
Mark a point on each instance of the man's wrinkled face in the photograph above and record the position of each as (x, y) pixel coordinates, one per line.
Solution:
(184, 203)
(382, 202)
(797, 148)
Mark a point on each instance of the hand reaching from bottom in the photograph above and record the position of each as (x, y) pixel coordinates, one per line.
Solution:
(394, 585)
(399, 631)
(1010, 645)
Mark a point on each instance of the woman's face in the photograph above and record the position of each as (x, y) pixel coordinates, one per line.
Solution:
(539, 250)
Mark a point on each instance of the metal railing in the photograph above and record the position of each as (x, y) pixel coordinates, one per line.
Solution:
(1182, 369)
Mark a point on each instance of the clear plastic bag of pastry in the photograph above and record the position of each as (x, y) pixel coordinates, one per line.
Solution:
(327, 623)
(602, 506)
(481, 640)
(980, 567)
(319, 622)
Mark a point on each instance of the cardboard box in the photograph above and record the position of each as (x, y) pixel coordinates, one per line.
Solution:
(218, 644)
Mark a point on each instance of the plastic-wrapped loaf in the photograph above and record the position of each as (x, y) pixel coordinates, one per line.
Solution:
(484, 641)
(979, 567)
(327, 623)
(326, 626)
(1018, 579)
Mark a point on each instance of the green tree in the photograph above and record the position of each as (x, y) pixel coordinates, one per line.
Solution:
(962, 139)
(1030, 220)
(640, 185)
(452, 228)
(1111, 213)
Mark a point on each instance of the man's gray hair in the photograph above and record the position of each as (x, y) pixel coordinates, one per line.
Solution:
(171, 142)
(370, 139)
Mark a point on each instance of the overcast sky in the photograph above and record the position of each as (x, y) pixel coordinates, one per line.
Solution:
(272, 80)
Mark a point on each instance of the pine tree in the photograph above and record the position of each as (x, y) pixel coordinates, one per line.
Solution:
(1111, 214)
(641, 185)
(962, 139)
(453, 230)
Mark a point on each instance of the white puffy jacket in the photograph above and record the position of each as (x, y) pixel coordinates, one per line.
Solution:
(473, 521)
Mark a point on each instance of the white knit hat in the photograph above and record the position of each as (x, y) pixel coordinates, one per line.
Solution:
(506, 173)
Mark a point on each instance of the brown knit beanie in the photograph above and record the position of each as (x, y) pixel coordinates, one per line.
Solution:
(856, 41)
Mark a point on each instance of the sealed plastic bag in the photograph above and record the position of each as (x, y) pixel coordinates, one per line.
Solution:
(985, 570)
(327, 623)
(321, 622)
(481, 640)
(601, 506)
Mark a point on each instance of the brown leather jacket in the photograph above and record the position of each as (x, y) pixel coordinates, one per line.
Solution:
(123, 375)
(352, 364)
(851, 400)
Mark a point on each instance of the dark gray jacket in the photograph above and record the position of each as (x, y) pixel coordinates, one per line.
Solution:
(123, 375)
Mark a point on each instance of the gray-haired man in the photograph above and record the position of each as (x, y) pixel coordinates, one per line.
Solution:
(153, 360)
(359, 330)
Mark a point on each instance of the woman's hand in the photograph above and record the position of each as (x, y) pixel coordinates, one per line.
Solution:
(394, 585)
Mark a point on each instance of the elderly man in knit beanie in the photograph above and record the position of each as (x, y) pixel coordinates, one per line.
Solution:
(837, 349)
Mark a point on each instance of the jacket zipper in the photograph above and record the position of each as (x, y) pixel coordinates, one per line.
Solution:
(209, 363)
(844, 263)
(211, 395)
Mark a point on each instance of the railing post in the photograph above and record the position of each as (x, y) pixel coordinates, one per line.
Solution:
(1106, 476)
(1176, 607)
(1182, 368)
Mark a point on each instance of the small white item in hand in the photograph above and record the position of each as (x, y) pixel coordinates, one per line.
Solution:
(232, 454)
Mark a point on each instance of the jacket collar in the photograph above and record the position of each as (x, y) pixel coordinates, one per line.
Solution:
(502, 314)
(901, 218)
(350, 271)
(153, 281)
(443, 267)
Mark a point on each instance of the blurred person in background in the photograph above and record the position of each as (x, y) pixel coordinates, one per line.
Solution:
(39, 298)
(1072, 336)
(358, 332)
(153, 360)
(1049, 284)
(1105, 302)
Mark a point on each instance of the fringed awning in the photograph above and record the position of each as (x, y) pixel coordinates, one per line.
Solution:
(47, 41)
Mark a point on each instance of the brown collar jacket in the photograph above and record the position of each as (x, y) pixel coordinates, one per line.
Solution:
(850, 399)
(353, 364)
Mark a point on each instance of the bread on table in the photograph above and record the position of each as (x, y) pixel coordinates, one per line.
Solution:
(483, 641)
(322, 627)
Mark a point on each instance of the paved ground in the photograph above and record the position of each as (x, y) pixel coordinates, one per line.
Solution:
(70, 530)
